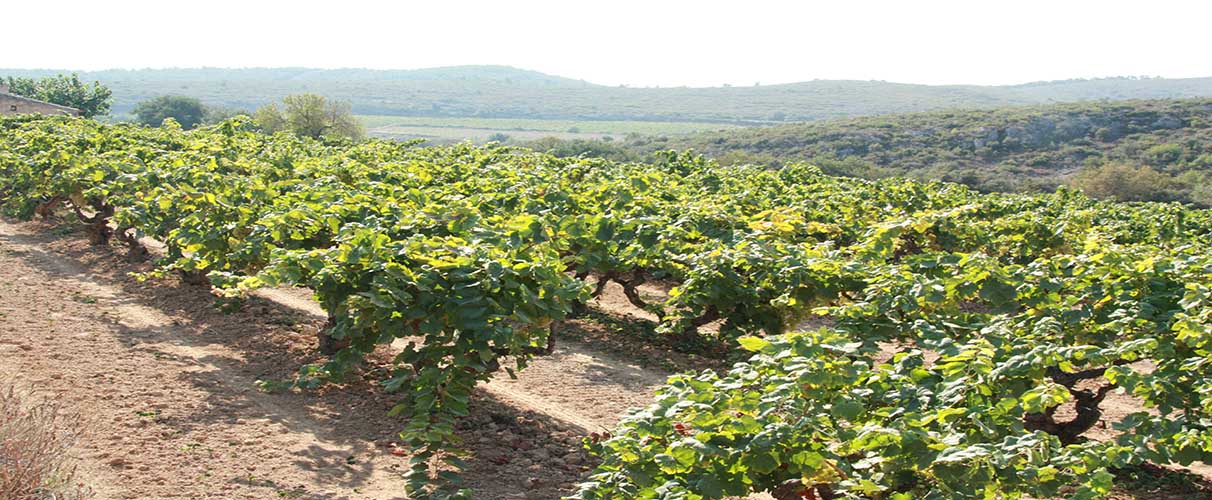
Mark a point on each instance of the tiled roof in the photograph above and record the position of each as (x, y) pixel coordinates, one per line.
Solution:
(69, 109)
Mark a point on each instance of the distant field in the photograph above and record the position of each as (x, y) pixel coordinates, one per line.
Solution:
(480, 129)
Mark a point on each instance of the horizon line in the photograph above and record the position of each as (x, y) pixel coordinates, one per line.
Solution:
(574, 79)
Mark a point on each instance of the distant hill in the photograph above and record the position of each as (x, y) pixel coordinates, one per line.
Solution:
(1004, 149)
(484, 73)
(505, 92)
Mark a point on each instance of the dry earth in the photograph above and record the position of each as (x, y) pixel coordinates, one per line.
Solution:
(169, 385)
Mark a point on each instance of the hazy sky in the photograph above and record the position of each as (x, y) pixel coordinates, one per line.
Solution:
(641, 43)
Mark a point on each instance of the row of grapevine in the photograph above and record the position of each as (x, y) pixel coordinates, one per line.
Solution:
(1002, 308)
(387, 254)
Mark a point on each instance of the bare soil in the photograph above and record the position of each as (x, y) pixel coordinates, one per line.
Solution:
(169, 385)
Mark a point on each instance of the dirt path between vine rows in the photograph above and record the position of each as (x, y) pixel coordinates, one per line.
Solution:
(168, 386)
(581, 388)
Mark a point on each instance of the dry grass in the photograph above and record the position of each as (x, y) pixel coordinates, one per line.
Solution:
(36, 436)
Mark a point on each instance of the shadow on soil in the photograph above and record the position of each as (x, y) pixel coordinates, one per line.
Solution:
(511, 451)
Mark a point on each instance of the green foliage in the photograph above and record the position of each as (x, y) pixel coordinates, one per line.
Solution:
(91, 100)
(1163, 155)
(999, 307)
(986, 346)
(186, 111)
(310, 115)
(217, 114)
(1124, 183)
(583, 147)
(1028, 149)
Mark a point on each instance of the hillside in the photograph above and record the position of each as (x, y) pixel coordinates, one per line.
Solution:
(1005, 149)
(505, 92)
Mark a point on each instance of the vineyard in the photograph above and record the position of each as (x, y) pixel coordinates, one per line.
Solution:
(901, 340)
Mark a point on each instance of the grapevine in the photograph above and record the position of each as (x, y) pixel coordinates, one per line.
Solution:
(957, 324)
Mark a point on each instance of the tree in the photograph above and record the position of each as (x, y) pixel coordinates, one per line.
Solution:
(187, 111)
(1125, 183)
(270, 118)
(219, 114)
(91, 100)
(310, 115)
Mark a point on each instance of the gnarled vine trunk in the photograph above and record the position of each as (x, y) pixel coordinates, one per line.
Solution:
(1086, 405)
(136, 252)
(330, 345)
(97, 224)
(46, 209)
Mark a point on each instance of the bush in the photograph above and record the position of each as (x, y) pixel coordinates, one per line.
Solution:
(187, 111)
(1201, 194)
(218, 114)
(35, 437)
(310, 115)
(1163, 154)
(1125, 183)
